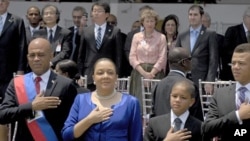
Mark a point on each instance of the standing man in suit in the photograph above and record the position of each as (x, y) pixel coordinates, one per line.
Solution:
(177, 125)
(60, 38)
(34, 17)
(180, 64)
(13, 49)
(206, 21)
(79, 16)
(202, 46)
(229, 110)
(99, 40)
(29, 101)
(125, 71)
(234, 36)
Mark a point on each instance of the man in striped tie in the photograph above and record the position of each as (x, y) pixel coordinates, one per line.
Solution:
(229, 111)
(99, 40)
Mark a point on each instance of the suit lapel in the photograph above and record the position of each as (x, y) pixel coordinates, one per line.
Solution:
(51, 84)
(9, 21)
(199, 38)
(243, 34)
(91, 35)
(57, 33)
(106, 34)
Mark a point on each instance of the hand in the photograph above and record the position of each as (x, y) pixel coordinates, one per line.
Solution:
(209, 88)
(98, 115)
(41, 103)
(80, 82)
(148, 75)
(244, 111)
(181, 135)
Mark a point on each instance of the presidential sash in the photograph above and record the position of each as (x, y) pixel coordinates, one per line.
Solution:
(39, 127)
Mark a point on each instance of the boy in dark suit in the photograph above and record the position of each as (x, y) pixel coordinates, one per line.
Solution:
(178, 124)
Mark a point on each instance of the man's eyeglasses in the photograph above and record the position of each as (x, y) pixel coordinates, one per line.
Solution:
(111, 23)
(184, 59)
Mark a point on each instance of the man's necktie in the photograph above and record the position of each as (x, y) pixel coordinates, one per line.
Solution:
(51, 36)
(1, 24)
(241, 96)
(74, 43)
(99, 38)
(37, 84)
(193, 36)
(177, 124)
(248, 36)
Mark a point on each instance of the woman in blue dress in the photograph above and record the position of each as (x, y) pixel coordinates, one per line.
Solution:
(104, 114)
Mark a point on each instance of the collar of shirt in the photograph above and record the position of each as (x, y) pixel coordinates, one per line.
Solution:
(197, 29)
(245, 28)
(180, 72)
(4, 16)
(45, 79)
(238, 85)
(35, 29)
(53, 28)
(183, 118)
(103, 26)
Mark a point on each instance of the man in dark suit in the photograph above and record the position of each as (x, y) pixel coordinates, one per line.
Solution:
(60, 38)
(99, 40)
(234, 36)
(203, 48)
(229, 110)
(125, 71)
(34, 17)
(206, 21)
(79, 16)
(27, 103)
(13, 49)
(180, 64)
(178, 124)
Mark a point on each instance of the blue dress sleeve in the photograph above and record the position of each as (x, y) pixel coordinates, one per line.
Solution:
(135, 127)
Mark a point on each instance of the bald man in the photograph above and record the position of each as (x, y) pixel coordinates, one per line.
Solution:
(38, 105)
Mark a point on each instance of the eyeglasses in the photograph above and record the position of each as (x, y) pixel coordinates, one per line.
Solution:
(184, 59)
(111, 23)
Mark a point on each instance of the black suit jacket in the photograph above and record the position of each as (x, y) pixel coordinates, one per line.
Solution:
(158, 127)
(77, 43)
(62, 37)
(221, 118)
(13, 48)
(161, 96)
(111, 47)
(234, 36)
(11, 111)
(204, 54)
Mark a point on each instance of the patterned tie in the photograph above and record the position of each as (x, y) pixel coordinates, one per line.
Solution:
(241, 96)
(37, 84)
(74, 43)
(177, 124)
(99, 38)
(51, 36)
(193, 37)
(248, 36)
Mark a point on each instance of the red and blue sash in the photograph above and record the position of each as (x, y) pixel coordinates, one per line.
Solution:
(40, 128)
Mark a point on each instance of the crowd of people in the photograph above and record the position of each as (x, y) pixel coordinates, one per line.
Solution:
(45, 99)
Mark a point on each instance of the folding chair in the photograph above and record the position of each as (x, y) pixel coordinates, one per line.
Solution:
(205, 98)
(123, 84)
(147, 87)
